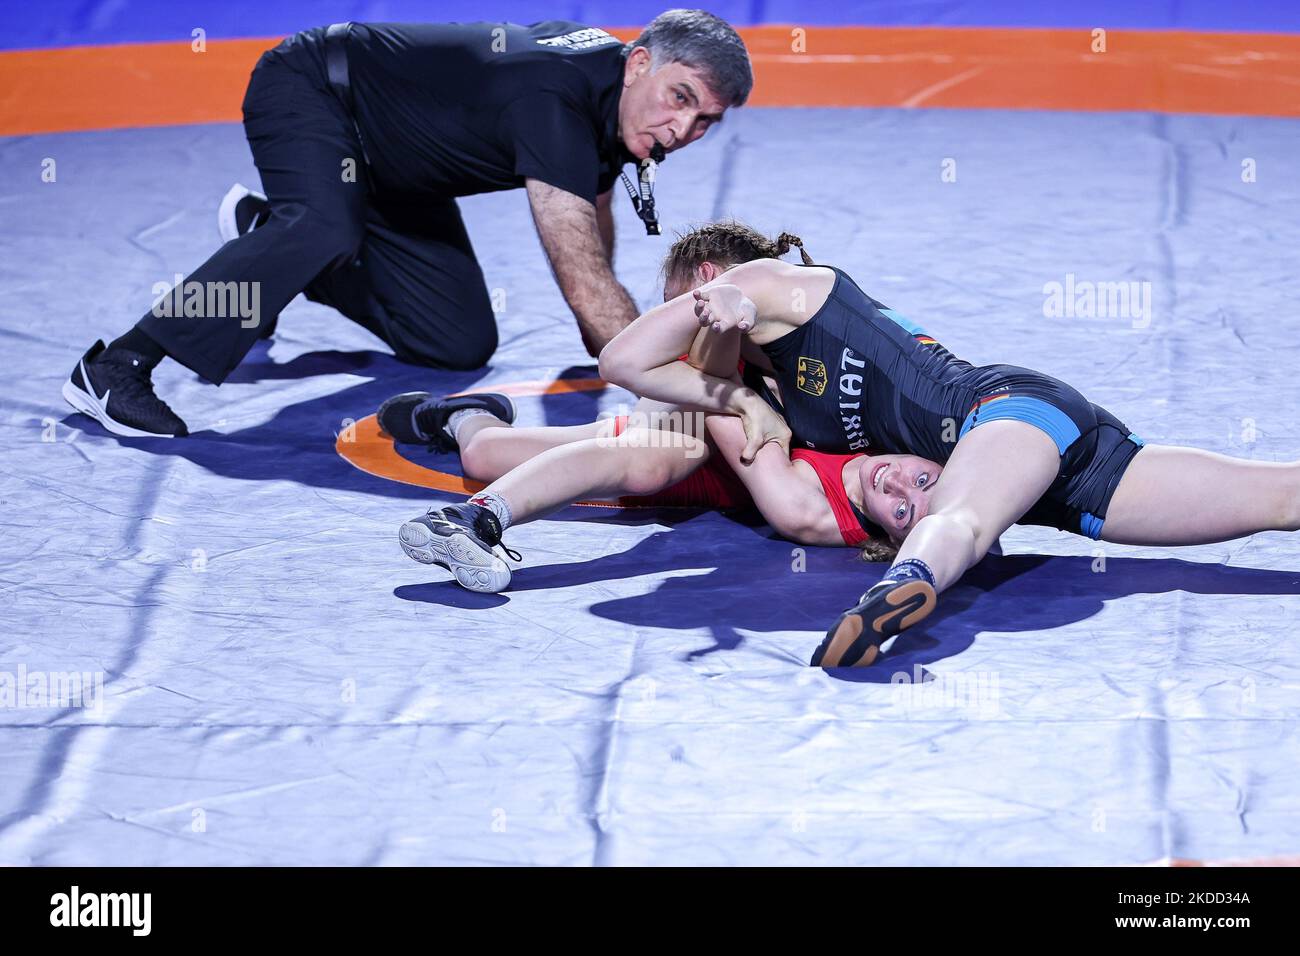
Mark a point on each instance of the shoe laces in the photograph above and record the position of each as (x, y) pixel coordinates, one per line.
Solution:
(131, 378)
(424, 419)
(513, 555)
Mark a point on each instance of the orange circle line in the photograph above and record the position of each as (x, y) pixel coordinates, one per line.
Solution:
(366, 448)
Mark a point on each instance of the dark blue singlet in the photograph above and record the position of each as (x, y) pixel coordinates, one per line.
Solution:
(859, 375)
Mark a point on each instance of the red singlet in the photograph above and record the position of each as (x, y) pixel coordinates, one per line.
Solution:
(716, 485)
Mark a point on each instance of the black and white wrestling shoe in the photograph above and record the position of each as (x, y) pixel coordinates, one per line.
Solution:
(463, 539)
(115, 387)
(241, 211)
(417, 418)
(888, 607)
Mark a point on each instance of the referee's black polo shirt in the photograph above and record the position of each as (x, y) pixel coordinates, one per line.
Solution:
(455, 109)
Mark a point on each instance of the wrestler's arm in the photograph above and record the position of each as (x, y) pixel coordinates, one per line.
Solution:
(790, 500)
(764, 299)
(643, 358)
(715, 354)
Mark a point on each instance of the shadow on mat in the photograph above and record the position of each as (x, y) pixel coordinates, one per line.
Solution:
(727, 578)
(297, 444)
(754, 588)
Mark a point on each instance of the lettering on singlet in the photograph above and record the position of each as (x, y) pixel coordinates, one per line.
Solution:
(851, 400)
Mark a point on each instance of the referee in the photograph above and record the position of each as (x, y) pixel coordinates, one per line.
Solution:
(364, 136)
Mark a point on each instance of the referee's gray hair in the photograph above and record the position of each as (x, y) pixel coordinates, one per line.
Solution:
(704, 42)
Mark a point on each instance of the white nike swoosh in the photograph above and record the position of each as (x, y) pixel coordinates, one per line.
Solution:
(90, 387)
(85, 373)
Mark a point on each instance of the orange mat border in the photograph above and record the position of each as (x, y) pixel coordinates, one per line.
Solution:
(363, 446)
(168, 84)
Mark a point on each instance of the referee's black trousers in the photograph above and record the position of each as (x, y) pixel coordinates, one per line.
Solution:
(400, 265)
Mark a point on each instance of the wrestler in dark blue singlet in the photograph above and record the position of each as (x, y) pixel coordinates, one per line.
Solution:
(858, 374)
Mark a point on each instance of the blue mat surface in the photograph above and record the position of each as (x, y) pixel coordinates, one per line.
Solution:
(81, 22)
(280, 685)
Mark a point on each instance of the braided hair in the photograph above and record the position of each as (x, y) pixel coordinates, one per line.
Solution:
(726, 243)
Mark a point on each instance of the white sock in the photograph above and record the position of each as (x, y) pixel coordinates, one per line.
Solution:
(495, 504)
(458, 417)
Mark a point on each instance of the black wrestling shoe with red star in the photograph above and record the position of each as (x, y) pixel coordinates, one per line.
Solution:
(115, 387)
(463, 539)
(888, 607)
(417, 418)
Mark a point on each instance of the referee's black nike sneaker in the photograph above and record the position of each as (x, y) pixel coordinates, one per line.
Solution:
(115, 387)
(417, 418)
(241, 211)
(463, 539)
